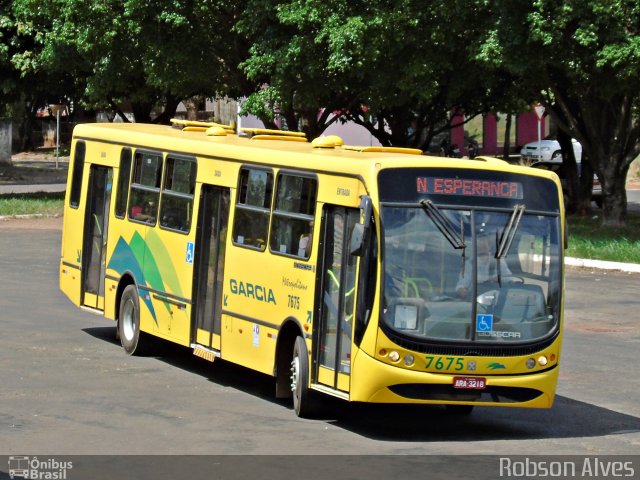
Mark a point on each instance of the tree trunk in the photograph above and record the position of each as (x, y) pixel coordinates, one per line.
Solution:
(614, 196)
(170, 106)
(142, 111)
(579, 198)
(5, 141)
(610, 136)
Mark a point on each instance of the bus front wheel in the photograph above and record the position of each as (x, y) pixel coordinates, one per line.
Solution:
(303, 398)
(132, 339)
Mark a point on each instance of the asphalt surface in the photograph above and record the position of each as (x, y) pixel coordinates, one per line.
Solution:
(68, 388)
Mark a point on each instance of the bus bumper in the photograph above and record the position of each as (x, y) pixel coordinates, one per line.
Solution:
(377, 382)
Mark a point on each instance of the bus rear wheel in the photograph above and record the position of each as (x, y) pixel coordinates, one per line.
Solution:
(132, 339)
(304, 401)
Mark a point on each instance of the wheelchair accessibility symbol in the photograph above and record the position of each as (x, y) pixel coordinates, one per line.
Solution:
(484, 323)
(189, 256)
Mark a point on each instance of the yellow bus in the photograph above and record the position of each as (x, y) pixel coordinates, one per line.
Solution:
(369, 274)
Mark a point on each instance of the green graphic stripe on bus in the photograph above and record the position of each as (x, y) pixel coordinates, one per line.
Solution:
(164, 266)
(137, 246)
(128, 257)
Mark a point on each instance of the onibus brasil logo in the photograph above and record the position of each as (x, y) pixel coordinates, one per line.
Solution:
(33, 468)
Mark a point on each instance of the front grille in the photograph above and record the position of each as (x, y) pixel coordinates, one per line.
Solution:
(418, 391)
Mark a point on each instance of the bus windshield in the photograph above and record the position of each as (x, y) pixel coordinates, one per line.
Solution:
(470, 274)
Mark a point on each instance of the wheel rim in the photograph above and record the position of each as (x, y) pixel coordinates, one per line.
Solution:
(128, 320)
(295, 377)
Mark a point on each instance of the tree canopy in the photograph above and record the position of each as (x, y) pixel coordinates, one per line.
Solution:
(401, 69)
(147, 55)
(582, 60)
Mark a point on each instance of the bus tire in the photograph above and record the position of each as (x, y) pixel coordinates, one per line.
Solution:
(459, 409)
(132, 339)
(304, 402)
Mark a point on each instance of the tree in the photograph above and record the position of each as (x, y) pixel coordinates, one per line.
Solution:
(582, 60)
(414, 72)
(137, 53)
(401, 69)
(288, 62)
(23, 90)
(7, 73)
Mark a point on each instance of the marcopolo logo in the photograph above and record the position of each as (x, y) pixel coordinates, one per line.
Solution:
(34, 468)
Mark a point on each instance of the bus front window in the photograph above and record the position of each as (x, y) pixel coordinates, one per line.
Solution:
(476, 288)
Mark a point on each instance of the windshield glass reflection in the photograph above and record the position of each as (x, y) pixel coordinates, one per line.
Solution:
(436, 289)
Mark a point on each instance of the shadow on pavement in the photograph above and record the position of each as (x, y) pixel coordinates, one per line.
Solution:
(568, 418)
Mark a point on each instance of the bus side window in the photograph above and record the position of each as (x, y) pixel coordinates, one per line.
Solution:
(292, 223)
(145, 187)
(177, 194)
(253, 207)
(123, 183)
(78, 169)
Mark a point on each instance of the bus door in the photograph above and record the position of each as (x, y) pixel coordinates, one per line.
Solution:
(95, 236)
(209, 260)
(336, 301)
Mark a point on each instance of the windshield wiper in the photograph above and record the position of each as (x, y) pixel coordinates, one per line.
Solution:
(444, 225)
(509, 232)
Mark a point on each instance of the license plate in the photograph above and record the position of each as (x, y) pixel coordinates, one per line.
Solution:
(475, 383)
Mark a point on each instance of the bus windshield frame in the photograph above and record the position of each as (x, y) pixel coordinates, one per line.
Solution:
(477, 270)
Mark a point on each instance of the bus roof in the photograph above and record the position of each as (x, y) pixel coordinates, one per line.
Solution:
(279, 150)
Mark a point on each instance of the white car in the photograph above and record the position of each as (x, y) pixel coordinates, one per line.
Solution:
(549, 149)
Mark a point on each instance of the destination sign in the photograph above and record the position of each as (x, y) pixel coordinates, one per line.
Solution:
(469, 187)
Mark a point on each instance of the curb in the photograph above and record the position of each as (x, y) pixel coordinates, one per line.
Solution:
(602, 264)
(29, 215)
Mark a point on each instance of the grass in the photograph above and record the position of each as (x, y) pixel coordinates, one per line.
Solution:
(587, 238)
(32, 203)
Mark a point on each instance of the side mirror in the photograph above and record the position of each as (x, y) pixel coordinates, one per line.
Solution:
(357, 240)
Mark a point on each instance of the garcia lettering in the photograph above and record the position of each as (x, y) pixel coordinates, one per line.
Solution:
(251, 290)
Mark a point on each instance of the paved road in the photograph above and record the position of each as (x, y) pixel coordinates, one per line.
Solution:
(633, 199)
(67, 387)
